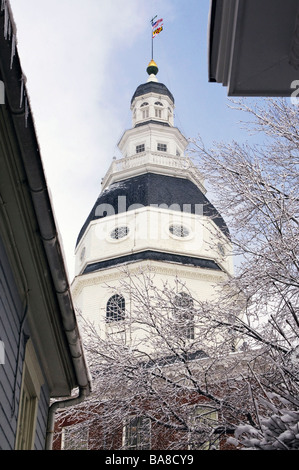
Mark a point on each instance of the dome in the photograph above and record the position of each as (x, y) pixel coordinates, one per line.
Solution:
(152, 87)
(153, 189)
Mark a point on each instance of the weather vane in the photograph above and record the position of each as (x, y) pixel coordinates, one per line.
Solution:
(157, 27)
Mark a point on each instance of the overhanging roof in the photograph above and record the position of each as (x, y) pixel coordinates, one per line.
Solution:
(254, 46)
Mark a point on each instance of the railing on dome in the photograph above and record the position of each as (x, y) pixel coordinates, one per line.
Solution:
(183, 166)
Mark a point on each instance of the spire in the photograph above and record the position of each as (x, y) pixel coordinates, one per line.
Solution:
(152, 70)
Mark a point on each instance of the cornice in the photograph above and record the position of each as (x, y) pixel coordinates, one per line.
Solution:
(158, 268)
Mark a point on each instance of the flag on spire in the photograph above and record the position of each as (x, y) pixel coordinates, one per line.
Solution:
(157, 27)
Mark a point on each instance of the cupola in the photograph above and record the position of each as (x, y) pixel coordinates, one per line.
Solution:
(152, 101)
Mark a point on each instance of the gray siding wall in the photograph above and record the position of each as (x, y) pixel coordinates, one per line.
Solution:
(42, 416)
(14, 337)
(11, 312)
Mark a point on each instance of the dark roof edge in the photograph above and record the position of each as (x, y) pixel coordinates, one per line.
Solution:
(153, 121)
(211, 35)
(152, 87)
(153, 256)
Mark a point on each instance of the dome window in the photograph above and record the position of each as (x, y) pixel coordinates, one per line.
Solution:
(144, 104)
(158, 103)
(179, 231)
(119, 232)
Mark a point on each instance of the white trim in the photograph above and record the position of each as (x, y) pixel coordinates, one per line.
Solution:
(32, 380)
(156, 162)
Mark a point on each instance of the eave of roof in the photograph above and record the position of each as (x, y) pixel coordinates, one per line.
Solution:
(254, 46)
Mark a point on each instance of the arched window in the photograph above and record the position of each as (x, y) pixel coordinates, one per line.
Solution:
(145, 111)
(158, 112)
(183, 307)
(115, 309)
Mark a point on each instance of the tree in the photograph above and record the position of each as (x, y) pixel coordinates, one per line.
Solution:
(165, 362)
(202, 370)
(257, 191)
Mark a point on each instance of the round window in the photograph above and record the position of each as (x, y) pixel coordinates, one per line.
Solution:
(119, 232)
(179, 230)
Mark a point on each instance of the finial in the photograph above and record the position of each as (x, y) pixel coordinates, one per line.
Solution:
(152, 70)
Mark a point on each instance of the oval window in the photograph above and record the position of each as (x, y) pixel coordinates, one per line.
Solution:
(119, 232)
(179, 230)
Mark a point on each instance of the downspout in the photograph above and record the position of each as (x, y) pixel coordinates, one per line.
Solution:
(83, 393)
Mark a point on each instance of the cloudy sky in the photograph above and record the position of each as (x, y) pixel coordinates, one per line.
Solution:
(83, 61)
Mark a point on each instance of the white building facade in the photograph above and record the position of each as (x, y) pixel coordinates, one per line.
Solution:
(152, 214)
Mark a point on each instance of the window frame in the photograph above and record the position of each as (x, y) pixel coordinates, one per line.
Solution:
(133, 439)
(185, 314)
(120, 232)
(161, 147)
(140, 148)
(74, 431)
(117, 308)
(32, 381)
(201, 413)
(179, 230)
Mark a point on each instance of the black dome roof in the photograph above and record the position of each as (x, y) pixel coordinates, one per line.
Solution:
(152, 87)
(153, 189)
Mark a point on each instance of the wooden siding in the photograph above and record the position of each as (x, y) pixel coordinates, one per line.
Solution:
(42, 416)
(12, 311)
(10, 372)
